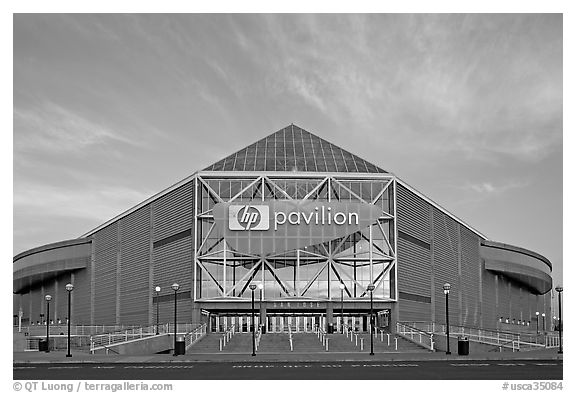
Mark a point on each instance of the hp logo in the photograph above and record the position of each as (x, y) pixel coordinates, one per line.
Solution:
(248, 218)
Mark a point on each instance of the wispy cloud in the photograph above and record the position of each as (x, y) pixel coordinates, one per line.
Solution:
(490, 189)
(55, 128)
(90, 203)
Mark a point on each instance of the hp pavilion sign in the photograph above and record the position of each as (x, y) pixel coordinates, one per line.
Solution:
(249, 217)
(275, 226)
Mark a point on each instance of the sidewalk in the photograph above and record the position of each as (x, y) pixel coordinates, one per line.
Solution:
(84, 357)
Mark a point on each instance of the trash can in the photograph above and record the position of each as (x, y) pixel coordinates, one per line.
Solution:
(180, 346)
(42, 345)
(330, 328)
(463, 346)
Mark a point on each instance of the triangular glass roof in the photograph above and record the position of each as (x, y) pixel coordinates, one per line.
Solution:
(294, 149)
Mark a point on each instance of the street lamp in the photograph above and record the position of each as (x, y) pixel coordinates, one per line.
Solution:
(157, 290)
(252, 288)
(48, 298)
(260, 287)
(69, 288)
(175, 288)
(446, 292)
(342, 306)
(537, 321)
(371, 289)
(559, 289)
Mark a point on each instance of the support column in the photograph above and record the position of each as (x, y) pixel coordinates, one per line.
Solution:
(393, 317)
(197, 313)
(329, 315)
(263, 316)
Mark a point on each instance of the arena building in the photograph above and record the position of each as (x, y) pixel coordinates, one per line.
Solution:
(312, 225)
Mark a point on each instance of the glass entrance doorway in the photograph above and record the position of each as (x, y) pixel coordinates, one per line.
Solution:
(240, 322)
(298, 323)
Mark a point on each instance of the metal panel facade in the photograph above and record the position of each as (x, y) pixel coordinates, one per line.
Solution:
(81, 303)
(470, 278)
(445, 266)
(414, 259)
(173, 212)
(134, 273)
(105, 274)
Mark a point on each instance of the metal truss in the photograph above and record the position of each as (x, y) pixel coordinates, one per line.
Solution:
(214, 260)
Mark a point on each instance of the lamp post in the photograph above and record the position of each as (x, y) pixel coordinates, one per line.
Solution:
(69, 288)
(252, 288)
(48, 298)
(537, 321)
(446, 292)
(371, 289)
(342, 307)
(175, 288)
(559, 289)
(260, 287)
(157, 291)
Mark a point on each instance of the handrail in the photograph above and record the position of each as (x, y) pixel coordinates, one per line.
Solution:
(108, 349)
(198, 333)
(106, 340)
(409, 332)
(290, 338)
(505, 344)
(484, 336)
(227, 335)
(258, 336)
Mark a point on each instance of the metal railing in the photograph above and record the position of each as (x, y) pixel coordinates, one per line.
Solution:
(227, 336)
(75, 330)
(195, 335)
(258, 336)
(417, 336)
(105, 341)
(58, 343)
(323, 337)
(290, 338)
(516, 341)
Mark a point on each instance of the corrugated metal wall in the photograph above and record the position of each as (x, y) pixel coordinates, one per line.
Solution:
(105, 275)
(173, 212)
(489, 300)
(445, 248)
(135, 289)
(172, 262)
(62, 297)
(414, 260)
(470, 278)
(81, 304)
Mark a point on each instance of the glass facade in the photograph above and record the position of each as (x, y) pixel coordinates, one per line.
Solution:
(314, 272)
(294, 149)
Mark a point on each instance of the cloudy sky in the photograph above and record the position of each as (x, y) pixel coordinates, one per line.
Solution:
(109, 109)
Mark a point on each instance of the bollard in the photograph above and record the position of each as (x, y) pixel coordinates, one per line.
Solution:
(361, 344)
(388, 339)
(326, 344)
(396, 344)
(220, 341)
(381, 335)
(356, 340)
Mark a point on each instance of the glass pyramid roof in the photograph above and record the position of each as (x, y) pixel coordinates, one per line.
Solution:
(294, 149)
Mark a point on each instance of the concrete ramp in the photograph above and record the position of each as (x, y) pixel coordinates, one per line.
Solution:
(140, 346)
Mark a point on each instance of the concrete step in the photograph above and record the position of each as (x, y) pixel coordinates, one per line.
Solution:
(274, 342)
(307, 342)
